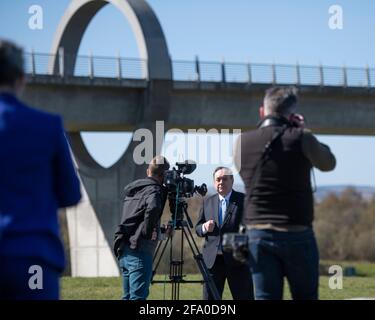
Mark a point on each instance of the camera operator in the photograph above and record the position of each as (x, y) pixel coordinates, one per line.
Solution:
(274, 162)
(136, 237)
(222, 213)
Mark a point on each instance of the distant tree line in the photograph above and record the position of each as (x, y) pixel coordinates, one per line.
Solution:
(345, 226)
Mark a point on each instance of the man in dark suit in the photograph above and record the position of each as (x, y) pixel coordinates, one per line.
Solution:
(219, 214)
(37, 177)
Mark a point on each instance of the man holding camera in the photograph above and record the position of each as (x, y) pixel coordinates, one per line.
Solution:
(136, 236)
(222, 213)
(274, 162)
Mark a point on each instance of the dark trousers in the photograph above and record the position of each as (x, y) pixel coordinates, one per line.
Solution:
(275, 255)
(16, 279)
(238, 276)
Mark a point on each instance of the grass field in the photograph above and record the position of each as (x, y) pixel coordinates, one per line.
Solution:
(362, 285)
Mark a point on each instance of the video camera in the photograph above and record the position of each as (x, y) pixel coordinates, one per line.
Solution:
(175, 181)
(237, 243)
(179, 187)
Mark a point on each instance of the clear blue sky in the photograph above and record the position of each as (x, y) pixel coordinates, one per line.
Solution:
(241, 30)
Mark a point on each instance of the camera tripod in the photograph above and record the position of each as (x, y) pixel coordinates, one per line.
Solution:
(176, 277)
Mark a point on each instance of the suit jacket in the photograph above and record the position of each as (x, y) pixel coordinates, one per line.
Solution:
(37, 177)
(232, 220)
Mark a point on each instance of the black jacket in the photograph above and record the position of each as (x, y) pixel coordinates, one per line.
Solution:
(232, 219)
(143, 206)
(282, 191)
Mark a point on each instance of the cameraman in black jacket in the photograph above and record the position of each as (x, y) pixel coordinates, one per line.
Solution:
(136, 236)
(275, 162)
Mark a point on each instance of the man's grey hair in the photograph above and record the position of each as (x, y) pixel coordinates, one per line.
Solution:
(226, 169)
(280, 100)
(11, 63)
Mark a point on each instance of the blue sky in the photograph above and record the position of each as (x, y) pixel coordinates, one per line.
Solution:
(239, 31)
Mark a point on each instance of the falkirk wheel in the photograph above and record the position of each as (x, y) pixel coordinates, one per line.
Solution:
(91, 224)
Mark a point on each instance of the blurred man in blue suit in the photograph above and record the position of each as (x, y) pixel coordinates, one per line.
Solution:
(37, 177)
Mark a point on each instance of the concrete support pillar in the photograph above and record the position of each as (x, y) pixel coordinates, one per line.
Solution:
(93, 222)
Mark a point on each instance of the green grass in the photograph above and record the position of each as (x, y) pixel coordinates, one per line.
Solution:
(111, 288)
(363, 268)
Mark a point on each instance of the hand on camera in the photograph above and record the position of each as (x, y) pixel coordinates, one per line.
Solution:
(209, 225)
(297, 120)
(169, 231)
(154, 235)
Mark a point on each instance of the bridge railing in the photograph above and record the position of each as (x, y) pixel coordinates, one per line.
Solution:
(135, 68)
(273, 73)
(87, 66)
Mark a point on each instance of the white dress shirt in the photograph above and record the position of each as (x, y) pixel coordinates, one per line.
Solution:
(227, 197)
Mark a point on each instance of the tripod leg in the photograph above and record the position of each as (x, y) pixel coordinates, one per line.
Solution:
(201, 264)
(176, 267)
(175, 273)
(160, 257)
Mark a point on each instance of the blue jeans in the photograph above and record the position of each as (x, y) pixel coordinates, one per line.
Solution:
(275, 254)
(136, 268)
